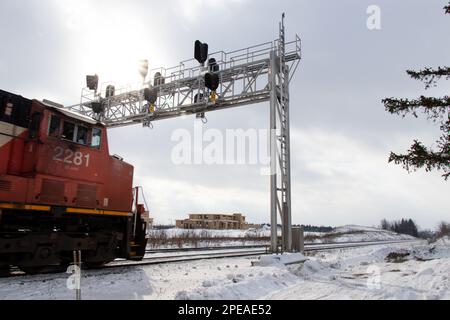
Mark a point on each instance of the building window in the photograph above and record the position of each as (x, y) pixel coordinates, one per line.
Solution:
(96, 138)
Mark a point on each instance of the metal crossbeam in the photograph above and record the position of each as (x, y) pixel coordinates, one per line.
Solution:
(243, 80)
(255, 74)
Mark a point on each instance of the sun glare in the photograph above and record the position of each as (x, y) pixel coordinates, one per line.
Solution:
(111, 42)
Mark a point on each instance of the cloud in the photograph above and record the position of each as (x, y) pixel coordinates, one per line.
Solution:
(337, 178)
(170, 199)
(341, 134)
(192, 10)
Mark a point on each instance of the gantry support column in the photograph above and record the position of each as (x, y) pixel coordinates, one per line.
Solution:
(280, 180)
(273, 153)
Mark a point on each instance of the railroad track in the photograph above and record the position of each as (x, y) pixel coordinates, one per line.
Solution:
(190, 254)
(247, 251)
(262, 246)
(167, 250)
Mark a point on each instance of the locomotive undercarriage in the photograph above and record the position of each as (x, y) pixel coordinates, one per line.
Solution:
(32, 240)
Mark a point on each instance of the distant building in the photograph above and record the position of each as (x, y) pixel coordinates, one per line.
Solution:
(148, 219)
(235, 221)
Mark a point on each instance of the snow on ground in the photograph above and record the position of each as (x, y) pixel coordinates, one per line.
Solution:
(353, 233)
(346, 274)
(422, 273)
(396, 271)
(173, 238)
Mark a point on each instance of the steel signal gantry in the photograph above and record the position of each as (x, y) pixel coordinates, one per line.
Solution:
(260, 73)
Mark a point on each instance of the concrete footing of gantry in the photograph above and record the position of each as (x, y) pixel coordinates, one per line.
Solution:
(297, 243)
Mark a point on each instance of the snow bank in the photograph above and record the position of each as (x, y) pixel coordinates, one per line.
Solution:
(445, 241)
(361, 273)
(242, 286)
(278, 260)
(353, 233)
(352, 228)
(95, 285)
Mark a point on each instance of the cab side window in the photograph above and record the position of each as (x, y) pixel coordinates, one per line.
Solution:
(68, 131)
(74, 132)
(15, 109)
(6, 110)
(34, 125)
(53, 129)
(96, 138)
(82, 135)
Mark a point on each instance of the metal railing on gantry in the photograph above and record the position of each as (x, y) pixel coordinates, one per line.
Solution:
(243, 76)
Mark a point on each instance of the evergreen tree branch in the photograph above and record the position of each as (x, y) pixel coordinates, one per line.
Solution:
(430, 76)
(435, 108)
(420, 157)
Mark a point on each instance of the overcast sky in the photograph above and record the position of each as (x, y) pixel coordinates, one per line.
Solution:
(341, 134)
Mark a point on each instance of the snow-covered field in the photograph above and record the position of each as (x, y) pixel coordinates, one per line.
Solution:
(397, 271)
(174, 238)
(353, 233)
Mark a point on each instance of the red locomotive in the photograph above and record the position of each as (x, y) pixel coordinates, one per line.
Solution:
(61, 191)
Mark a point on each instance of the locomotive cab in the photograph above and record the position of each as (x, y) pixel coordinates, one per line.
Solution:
(61, 191)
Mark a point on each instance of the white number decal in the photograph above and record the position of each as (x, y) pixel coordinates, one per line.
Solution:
(70, 157)
(69, 154)
(87, 156)
(78, 159)
(58, 154)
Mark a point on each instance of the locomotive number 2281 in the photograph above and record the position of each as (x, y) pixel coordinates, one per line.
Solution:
(70, 157)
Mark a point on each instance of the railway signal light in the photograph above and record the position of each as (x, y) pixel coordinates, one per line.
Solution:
(201, 52)
(159, 79)
(97, 107)
(151, 95)
(212, 83)
(110, 91)
(213, 66)
(92, 82)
